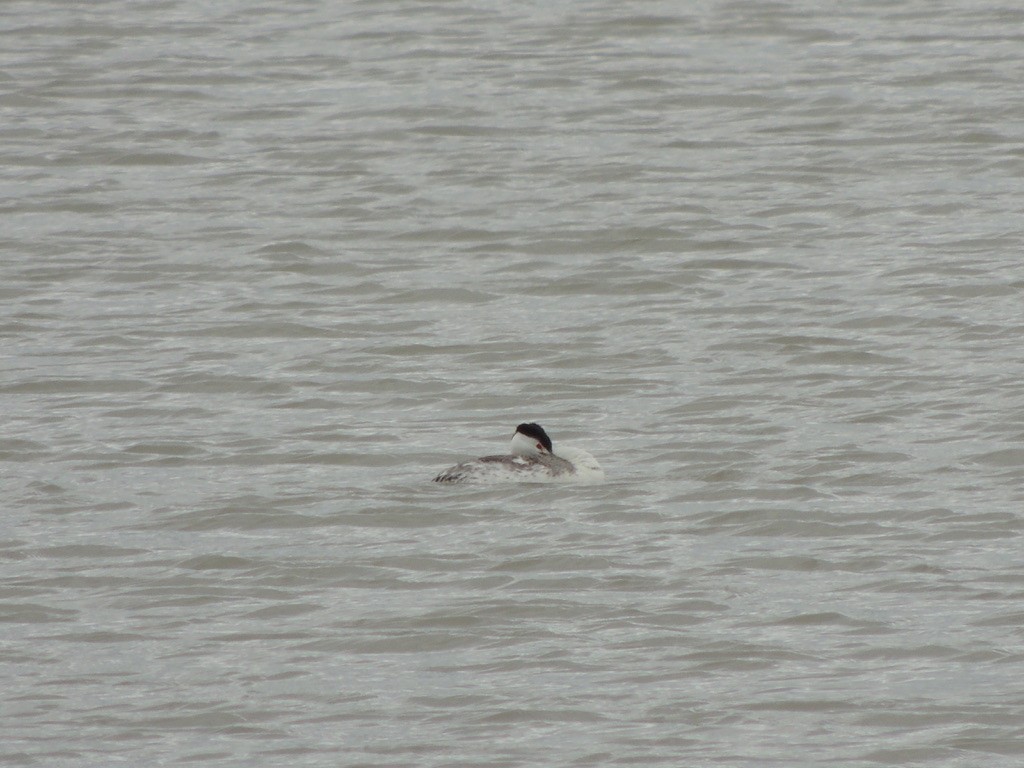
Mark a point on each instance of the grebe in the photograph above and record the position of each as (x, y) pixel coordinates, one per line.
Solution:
(532, 459)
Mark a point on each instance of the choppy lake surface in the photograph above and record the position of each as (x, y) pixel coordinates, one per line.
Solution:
(267, 268)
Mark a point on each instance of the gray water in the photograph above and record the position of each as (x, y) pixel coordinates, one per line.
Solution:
(266, 268)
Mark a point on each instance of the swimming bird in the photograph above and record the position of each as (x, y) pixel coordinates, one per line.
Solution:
(532, 459)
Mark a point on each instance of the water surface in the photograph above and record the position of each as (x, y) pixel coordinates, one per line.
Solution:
(268, 268)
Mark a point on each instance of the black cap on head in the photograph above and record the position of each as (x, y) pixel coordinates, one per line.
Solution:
(536, 431)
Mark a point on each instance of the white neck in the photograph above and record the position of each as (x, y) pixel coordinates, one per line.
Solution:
(523, 445)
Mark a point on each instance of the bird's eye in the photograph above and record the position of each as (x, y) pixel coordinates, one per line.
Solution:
(540, 446)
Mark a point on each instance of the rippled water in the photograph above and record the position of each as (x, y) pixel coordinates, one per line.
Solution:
(268, 267)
